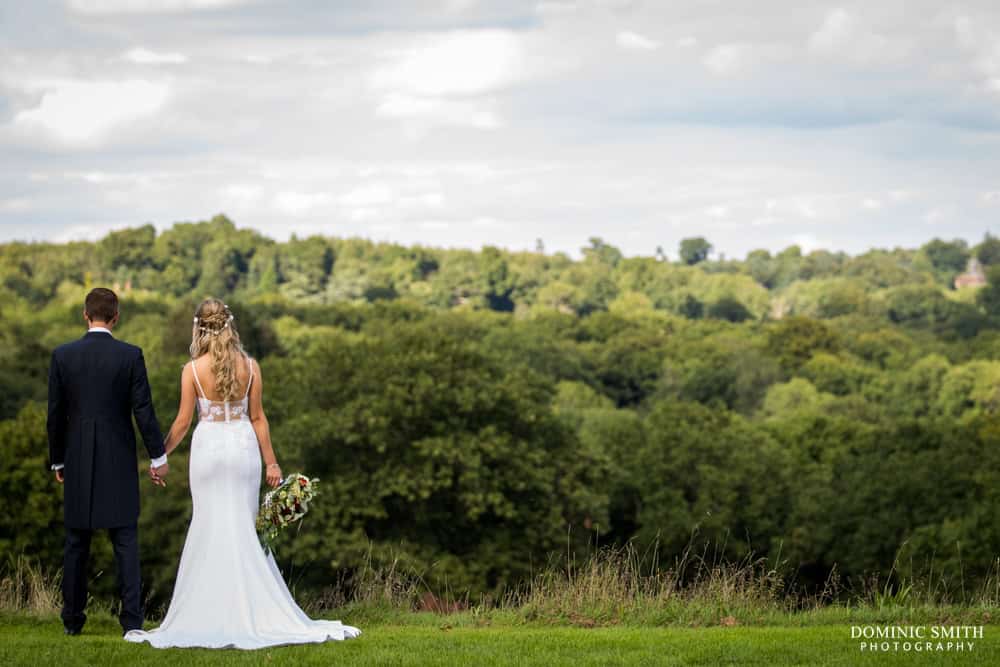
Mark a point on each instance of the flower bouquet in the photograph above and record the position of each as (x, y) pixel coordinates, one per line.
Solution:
(284, 505)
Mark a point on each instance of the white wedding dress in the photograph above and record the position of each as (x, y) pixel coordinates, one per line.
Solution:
(228, 594)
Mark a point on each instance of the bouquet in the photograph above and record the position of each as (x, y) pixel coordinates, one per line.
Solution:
(284, 505)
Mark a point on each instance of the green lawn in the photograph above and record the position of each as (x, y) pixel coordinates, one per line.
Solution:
(26, 640)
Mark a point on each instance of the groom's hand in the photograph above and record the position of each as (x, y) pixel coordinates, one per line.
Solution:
(157, 474)
(59, 476)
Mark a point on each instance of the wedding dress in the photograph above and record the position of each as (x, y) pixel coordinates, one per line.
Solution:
(228, 594)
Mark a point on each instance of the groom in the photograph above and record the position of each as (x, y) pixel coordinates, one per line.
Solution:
(96, 384)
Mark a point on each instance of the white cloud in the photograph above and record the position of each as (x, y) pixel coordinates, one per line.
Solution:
(727, 58)
(15, 204)
(442, 80)
(898, 195)
(477, 114)
(937, 215)
(834, 33)
(633, 41)
(465, 62)
(535, 117)
(148, 6)
(557, 7)
(257, 59)
(843, 36)
(295, 203)
(981, 42)
(239, 195)
(374, 194)
(78, 112)
(142, 56)
(991, 197)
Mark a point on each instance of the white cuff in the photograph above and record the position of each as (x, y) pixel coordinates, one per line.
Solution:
(57, 466)
(158, 462)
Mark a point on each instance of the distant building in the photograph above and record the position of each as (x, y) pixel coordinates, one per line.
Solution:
(973, 276)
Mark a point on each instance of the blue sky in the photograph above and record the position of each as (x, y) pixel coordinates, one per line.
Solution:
(463, 123)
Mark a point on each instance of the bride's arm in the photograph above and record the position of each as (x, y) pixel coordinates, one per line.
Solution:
(261, 428)
(185, 412)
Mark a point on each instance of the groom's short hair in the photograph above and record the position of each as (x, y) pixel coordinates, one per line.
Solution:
(101, 304)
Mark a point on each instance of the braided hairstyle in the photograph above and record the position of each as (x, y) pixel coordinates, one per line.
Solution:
(215, 333)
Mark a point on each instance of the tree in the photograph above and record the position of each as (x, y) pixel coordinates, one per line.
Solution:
(988, 252)
(691, 308)
(762, 267)
(694, 250)
(599, 251)
(429, 441)
(497, 281)
(793, 340)
(988, 297)
(947, 257)
(131, 248)
(31, 514)
(728, 308)
(699, 478)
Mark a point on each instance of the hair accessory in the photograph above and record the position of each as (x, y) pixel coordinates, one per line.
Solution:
(196, 319)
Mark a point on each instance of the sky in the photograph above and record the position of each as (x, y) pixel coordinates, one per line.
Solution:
(461, 123)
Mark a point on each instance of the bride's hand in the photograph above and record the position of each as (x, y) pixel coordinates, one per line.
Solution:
(273, 475)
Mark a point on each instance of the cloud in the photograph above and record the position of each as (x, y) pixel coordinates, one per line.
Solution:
(635, 42)
(728, 58)
(445, 80)
(434, 111)
(553, 117)
(845, 37)
(141, 56)
(239, 196)
(835, 32)
(148, 6)
(374, 194)
(466, 62)
(79, 112)
(295, 203)
(15, 204)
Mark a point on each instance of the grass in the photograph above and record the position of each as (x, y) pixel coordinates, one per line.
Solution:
(612, 608)
(33, 640)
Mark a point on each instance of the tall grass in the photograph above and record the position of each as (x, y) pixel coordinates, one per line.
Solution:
(25, 587)
(611, 585)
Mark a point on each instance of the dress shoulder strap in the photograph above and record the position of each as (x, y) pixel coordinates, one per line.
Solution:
(250, 381)
(197, 382)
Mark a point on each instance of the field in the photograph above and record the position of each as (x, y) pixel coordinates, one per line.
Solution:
(428, 639)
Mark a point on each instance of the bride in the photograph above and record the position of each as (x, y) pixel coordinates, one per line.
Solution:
(227, 592)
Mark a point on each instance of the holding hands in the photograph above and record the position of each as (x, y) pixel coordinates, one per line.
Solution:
(156, 474)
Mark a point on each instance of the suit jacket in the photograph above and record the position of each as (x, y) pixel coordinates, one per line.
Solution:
(96, 384)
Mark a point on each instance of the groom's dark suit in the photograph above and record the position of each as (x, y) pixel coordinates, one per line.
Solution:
(96, 384)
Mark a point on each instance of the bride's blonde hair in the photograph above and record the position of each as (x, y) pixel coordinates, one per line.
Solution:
(214, 332)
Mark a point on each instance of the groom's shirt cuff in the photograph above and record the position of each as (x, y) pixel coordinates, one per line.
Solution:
(160, 461)
(57, 466)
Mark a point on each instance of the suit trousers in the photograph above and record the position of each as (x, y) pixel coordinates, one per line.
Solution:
(125, 541)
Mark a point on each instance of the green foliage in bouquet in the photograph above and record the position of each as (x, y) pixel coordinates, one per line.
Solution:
(284, 505)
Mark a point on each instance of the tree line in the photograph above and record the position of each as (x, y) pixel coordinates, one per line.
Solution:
(470, 412)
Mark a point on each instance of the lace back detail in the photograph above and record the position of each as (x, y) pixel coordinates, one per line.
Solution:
(223, 411)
